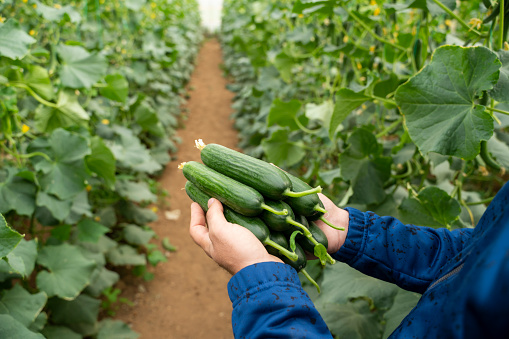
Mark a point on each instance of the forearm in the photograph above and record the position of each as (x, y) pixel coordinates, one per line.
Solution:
(407, 255)
(269, 302)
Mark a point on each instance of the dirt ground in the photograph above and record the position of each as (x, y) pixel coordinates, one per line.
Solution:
(188, 296)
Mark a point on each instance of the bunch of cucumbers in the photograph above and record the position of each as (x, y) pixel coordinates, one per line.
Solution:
(277, 207)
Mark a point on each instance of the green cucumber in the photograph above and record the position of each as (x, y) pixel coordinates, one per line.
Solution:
(253, 224)
(269, 180)
(301, 262)
(239, 197)
(317, 234)
(280, 239)
(309, 205)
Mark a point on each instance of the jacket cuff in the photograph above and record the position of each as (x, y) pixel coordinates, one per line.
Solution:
(258, 277)
(355, 238)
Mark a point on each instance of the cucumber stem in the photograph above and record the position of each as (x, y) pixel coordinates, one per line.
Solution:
(290, 255)
(290, 193)
(320, 209)
(311, 280)
(276, 212)
(331, 225)
(308, 235)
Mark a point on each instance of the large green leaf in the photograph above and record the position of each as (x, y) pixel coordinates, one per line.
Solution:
(90, 231)
(9, 238)
(65, 175)
(21, 305)
(284, 113)
(321, 113)
(284, 64)
(51, 13)
(431, 207)
(11, 328)
(346, 101)
(16, 193)
(68, 271)
(125, 255)
(101, 160)
(135, 191)
(439, 103)
(58, 208)
(80, 314)
(67, 112)
(117, 88)
(281, 151)
(38, 80)
(115, 329)
(101, 279)
(80, 69)
(14, 42)
(501, 90)
(147, 118)
(22, 258)
(136, 235)
(403, 304)
(60, 332)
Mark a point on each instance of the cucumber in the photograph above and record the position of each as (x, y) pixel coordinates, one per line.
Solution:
(301, 262)
(280, 239)
(269, 180)
(317, 234)
(253, 224)
(310, 205)
(239, 197)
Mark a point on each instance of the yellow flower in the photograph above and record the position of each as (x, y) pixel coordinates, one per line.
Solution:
(153, 5)
(105, 121)
(475, 22)
(97, 218)
(448, 22)
(396, 34)
(25, 128)
(25, 1)
(441, 27)
(2, 19)
(34, 5)
(123, 51)
(345, 39)
(154, 209)
(88, 188)
(377, 11)
(359, 66)
(364, 106)
(372, 49)
(153, 16)
(372, 2)
(506, 46)
(57, 6)
(414, 30)
(301, 15)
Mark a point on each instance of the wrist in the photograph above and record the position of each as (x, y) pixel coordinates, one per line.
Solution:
(239, 265)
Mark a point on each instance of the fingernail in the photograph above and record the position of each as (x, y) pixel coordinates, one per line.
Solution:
(210, 202)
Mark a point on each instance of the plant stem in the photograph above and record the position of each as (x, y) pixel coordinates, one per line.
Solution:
(481, 202)
(387, 101)
(308, 235)
(311, 280)
(455, 16)
(35, 154)
(35, 95)
(305, 129)
(276, 212)
(289, 193)
(389, 128)
(373, 34)
(501, 25)
(496, 110)
(290, 255)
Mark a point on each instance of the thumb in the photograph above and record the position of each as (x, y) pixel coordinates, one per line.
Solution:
(215, 214)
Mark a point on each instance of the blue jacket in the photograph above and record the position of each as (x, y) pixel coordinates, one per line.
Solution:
(463, 276)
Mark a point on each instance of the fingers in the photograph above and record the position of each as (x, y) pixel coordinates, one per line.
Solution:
(198, 227)
(215, 214)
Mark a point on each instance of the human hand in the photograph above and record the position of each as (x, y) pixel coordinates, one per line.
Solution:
(337, 216)
(232, 246)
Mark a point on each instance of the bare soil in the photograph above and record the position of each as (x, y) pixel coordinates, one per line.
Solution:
(188, 296)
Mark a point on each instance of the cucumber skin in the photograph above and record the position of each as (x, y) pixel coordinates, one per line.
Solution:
(277, 222)
(301, 262)
(280, 239)
(304, 205)
(319, 236)
(239, 197)
(255, 225)
(267, 179)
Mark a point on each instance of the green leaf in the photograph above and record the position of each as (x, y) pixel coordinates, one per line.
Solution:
(14, 42)
(156, 257)
(135, 191)
(11, 328)
(101, 160)
(284, 113)
(501, 90)
(147, 118)
(60, 332)
(346, 101)
(321, 253)
(135, 235)
(499, 150)
(9, 238)
(68, 271)
(431, 207)
(117, 87)
(125, 255)
(439, 103)
(21, 305)
(58, 208)
(353, 320)
(284, 64)
(101, 279)
(80, 208)
(38, 324)
(65, 175)
(90, 231)
(80, 314)
(38, 80)
(135, 5)
(68, 112)
(115, 329)
(57, 14)
(137, 214)
(80, 69)
(281, 151)
(321, 113)
(22, 258)
(403, 304)
(16, 193)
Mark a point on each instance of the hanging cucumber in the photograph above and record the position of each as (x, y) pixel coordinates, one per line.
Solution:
(267, 179)
(310, 205)
(281, 223)
(253, 224)
(239, 197)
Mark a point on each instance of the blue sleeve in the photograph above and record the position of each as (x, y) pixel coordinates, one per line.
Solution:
(406, 255)
(269, 302)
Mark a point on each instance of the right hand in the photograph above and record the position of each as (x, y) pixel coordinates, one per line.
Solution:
(337, 216)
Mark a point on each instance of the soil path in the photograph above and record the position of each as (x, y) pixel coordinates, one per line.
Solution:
(188, 296)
